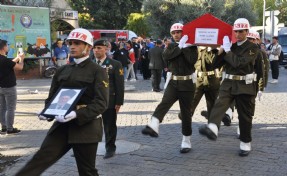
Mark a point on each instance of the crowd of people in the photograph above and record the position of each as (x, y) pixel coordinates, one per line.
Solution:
(231, 75)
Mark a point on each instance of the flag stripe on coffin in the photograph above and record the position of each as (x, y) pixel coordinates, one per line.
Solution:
(212, 25)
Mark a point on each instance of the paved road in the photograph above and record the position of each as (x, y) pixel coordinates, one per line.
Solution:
(160, 156)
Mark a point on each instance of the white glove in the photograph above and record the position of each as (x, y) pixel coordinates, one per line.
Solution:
(226, 44)
(259, 95)
(186, 45)
(67, 117)
(182, 41)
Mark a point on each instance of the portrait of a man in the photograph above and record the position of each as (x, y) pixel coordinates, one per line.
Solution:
(63, 101)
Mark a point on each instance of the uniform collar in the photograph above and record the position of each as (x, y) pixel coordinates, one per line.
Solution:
(241, 43)
(83, 63)
(78, 61)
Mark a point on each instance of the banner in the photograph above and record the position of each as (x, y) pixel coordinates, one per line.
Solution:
(27, 28)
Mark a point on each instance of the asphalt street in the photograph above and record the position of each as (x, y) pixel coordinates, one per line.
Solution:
(140, 155)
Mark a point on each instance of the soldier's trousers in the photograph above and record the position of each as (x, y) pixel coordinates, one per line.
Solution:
(245, 105)
(56, 145)
(110, 128)
(171, 95)
(210, 96)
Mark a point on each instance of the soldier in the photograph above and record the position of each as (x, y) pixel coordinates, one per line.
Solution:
(116, 86)
(180, 58)
(208, 78)
(81, 129)
(242, 68)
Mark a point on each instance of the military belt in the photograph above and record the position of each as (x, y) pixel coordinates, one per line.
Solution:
(81, 106)
(240, 77)
(181, 78)
(208, 73)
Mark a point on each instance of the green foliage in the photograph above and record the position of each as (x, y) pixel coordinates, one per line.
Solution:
(240, 9)
(137, 22)
(105, 14)
(163, 13)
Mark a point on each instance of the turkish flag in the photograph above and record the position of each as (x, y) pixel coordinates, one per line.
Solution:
(208, 30)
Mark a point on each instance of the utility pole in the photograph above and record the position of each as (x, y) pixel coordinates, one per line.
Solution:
(263, 34)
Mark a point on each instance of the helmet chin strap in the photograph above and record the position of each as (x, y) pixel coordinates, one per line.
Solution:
(84, 52)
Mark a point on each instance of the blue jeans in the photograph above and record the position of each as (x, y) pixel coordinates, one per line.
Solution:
(8, 100)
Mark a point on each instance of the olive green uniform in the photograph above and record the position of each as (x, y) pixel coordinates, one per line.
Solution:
(208, 79)
(83, 133)
(239, 62)
(116, 97)
(181, 87)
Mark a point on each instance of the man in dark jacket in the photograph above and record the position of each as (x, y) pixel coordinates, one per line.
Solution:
(116, 99)
(81, 129)
(180, 58)
(156, 65)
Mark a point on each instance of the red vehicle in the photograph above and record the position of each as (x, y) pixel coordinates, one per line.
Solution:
(116, 35)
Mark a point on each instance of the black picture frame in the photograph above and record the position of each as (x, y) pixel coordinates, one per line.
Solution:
(63, 102)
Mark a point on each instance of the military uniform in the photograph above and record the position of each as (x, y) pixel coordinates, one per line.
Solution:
(82, 133)
(208, 79)
(181, 87)
(116, 97)
(243, 67)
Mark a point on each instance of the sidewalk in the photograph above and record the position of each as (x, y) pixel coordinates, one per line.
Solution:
(140, 155)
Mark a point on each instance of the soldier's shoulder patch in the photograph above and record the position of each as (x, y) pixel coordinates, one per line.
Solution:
(121, 71)
(106, 84)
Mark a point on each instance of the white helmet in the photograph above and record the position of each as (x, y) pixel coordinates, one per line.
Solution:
(82, 35)
(252, 34)
(240, 24)
(257, 35)
(176, 27)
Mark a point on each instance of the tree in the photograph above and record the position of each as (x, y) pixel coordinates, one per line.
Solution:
(34, 3)
(106, 14)
(137, 22)
(239, 9)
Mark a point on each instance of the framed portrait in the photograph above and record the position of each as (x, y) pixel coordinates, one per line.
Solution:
(63, 102)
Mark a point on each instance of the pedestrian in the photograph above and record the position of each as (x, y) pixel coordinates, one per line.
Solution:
(242, 68)
(81, 129)
(274, 53)
(180, 58)
(61, 53)
(116, 94)
(8, 92)
(156, 65)
(122, 55)
(145, 61)
(132, 60)
(137, 51)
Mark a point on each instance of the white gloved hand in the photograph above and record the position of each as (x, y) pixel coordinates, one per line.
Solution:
(259, 95)
(186, 45)
(67, 117)
(182, 41)
(226, 44)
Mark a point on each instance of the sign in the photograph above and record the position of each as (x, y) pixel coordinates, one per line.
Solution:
(26, 28)
(206, 36)
(121, 36)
